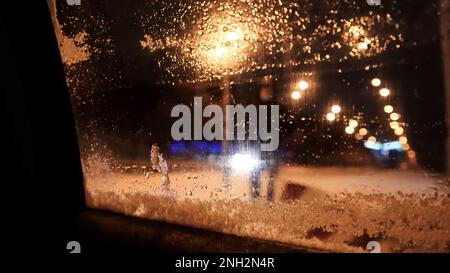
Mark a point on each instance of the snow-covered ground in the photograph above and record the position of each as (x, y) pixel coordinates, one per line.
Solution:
(334, 209)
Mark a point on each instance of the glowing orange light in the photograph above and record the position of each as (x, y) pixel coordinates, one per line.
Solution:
(303, 85)
(358, 136)
(363, 46)
(403, 140)
(331, 116)
(363, 131)
(336, 109)
(388, 109)
(349, 130)
(394, 116)
(353, 123)
(399, 131)
(411, 154)
(384, 92)
(296, 95)
(394, 125)
(376, 82)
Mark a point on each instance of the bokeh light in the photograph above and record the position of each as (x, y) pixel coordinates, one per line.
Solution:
(336, 109)
(353, 123)
(394, 125)
(349, 130)
(376, 82)
(303, 85)
(411, 154)
(394, 116)
(358, 136)
(403, 140)
(331, 116)
(399, 131)
(363, 131)
(388, 109)
(384, 92)
(296, 95)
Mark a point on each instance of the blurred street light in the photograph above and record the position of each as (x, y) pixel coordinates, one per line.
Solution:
(336, 109)
(353, 123)
(394, 116)
(363, 131)
(376, 82)
(303, 85)
(349, 130)
(331, 116)
(384, 92)
(388, 109)
(296, 95)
